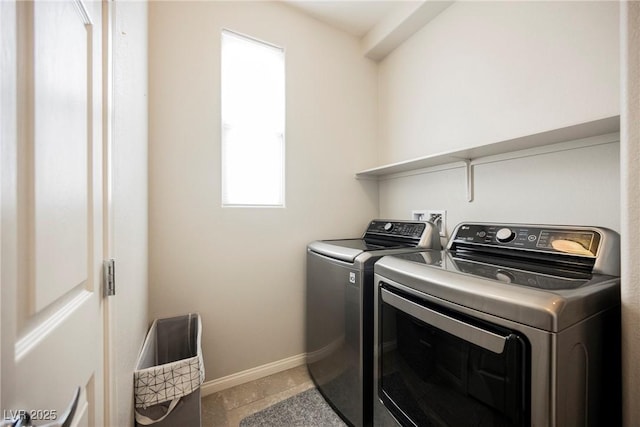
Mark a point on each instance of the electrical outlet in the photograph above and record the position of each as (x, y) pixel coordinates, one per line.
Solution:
(419, 215)
(439, 218)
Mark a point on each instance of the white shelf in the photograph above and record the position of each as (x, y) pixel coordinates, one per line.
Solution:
(583, 130)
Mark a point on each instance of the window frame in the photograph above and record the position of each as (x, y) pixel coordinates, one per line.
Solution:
(224, 126)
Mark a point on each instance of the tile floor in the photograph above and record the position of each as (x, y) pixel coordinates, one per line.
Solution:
(228, 407)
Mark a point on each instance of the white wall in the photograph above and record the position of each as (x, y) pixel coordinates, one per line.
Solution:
(630, 177)
(484, 72)
(574, 186)
(243, 269)
(129, 227)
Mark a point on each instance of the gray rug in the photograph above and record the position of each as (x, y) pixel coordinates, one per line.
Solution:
(307, 409)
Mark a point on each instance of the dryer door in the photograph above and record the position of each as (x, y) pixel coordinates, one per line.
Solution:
(440, 367)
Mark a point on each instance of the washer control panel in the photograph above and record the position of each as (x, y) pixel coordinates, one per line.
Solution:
(552, 239)
(400, 229)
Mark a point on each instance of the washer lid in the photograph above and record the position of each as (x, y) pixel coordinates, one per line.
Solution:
(348, 249)
(345, 249)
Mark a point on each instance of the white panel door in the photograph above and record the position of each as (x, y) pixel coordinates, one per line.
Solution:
(52, 209)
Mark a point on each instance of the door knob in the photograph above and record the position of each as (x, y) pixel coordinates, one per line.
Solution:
(23, 418)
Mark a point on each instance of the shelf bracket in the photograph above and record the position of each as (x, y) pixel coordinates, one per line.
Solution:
(469, 176)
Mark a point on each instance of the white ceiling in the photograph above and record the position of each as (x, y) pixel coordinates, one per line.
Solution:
(381, 25)
(356, 17)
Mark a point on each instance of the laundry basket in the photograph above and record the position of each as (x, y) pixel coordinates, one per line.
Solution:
(169, 373)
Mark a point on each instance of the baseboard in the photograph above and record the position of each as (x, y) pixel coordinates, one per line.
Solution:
(213, 386)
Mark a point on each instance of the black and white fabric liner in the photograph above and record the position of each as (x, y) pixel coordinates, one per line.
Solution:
(167, 382)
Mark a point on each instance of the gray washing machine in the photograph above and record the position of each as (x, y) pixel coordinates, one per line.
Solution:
(339, 310)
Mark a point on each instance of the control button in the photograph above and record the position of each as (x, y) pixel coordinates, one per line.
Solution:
(482, 233)
(532, 237)
(388, 226)
(505, 235)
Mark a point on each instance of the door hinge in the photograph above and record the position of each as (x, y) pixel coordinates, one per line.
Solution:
(109, 277)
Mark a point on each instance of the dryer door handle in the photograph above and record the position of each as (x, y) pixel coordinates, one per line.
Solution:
(470, 333)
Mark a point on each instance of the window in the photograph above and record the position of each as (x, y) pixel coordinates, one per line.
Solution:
(253, 119)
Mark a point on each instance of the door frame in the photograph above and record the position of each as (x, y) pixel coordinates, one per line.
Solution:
(108, 25)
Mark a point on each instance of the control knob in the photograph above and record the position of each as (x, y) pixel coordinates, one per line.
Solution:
(505, 235)
(388, 226)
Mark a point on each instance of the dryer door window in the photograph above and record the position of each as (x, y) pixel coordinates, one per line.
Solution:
(442, 369)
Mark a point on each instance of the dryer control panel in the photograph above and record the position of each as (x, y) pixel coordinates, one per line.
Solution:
(549, 239)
